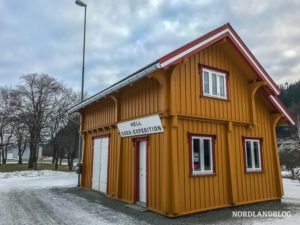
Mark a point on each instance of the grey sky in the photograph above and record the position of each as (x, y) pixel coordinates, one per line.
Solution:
(122, 36)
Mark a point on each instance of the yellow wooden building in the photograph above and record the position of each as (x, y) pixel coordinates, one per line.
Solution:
(190, 132)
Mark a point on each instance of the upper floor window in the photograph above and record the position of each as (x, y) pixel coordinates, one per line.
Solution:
(253, 155)
(202, 154)
(214, 83)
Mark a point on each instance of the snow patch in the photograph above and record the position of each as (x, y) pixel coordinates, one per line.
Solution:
(286, 173)
(33, 173)
(291, 190)
(21, 180)
(76, 210)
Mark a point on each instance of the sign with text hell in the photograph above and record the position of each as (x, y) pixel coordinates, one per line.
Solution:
(141, 126)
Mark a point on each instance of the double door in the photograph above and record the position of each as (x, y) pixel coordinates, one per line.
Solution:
(100, 163)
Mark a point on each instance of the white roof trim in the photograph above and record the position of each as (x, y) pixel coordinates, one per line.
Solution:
(274, 100)
(154, 67)
(182, 54)
(115, 87)
(252, 60)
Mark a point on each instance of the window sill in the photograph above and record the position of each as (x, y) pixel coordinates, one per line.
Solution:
(203, 174)
(214, 97)
(254, 171)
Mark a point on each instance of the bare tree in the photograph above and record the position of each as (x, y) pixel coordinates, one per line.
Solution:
(43, 100)
(59, 120)
(19, 129)
(72, 139)
(20, 133)
(6, 130)
(66, 140)
(290, 158)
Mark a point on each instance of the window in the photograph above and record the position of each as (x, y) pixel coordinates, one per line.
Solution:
(253, 155)
(214, 83)
(201, 154)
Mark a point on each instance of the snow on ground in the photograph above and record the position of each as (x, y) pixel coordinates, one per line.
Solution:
(21, 180)
(286, 173)
(28, 197)
(291, 190)
(291, 196)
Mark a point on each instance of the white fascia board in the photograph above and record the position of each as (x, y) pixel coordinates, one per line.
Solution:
(182, 54)
(254, 63)
(274, 100)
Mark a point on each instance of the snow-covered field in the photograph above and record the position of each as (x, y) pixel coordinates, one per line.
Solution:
(22, 180)
(49, 197)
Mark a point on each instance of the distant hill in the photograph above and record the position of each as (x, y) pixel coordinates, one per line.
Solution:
(290, 96)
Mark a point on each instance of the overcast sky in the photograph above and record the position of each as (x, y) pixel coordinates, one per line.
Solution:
(45, 36)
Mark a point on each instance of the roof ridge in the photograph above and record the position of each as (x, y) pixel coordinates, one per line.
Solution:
(176, 56)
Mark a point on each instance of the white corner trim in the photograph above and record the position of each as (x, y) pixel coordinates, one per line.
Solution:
(282, 109)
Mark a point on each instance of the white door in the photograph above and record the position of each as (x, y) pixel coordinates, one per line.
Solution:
(96, 164)
(103, 164)
(100, 163)
(142, 171)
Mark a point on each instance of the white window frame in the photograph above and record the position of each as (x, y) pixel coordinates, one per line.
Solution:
(202, 171)
(218, 75)
(253, 168)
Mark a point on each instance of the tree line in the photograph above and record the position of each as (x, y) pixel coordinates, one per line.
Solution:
(33, 113)
(290, 96)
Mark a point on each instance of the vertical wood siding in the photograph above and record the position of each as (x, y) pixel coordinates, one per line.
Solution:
(256, 186)
(134, 101)
(202, 192)
(187, 82)
(192, 193)
(206, 192)
(198, 193)
(99, 114)
(156, 167)
(140, 99)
